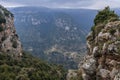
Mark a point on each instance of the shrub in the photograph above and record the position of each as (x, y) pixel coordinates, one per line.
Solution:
(112, 31)
(99, 28)
(93, 31)
(14, 45)
(102, 18)
(28, 68)
(105, 16)
(3, 38)
(6, 12)
(2, 18)
(1, 28)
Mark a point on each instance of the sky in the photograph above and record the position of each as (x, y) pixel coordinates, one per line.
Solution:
(87, 4)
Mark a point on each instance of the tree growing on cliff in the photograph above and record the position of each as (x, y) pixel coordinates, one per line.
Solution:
(106, 15)
(103, 17)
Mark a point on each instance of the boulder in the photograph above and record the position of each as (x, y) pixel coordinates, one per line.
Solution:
(114, 72)
(89, 66)
(104, 73)
(117, 77)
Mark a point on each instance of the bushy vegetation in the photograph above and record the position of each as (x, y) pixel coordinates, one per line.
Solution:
(6, 12)
(15, 44)
(28, 68)
(1, 28)
(2, 19)
(112, 31)
(104, 16)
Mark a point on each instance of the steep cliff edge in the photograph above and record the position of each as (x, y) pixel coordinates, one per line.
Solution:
(16, 64)
(9, 41)
(103, 42)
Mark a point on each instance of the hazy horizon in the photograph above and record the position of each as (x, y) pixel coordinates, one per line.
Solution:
(69, 4)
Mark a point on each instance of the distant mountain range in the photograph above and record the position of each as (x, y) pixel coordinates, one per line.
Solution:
(15, 64)
(56, 35)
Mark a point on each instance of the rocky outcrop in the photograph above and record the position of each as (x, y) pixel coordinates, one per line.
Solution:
(103, 59)
(103, 43)
(9, 41)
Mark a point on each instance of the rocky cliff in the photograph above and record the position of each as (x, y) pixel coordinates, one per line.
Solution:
(16, 64)
(9, 41)
(103, 42)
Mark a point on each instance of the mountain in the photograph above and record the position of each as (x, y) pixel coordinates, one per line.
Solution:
(15, 64)
(103, 42)
(55, 35)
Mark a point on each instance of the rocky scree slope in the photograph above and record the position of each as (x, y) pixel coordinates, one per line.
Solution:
(9, 41)
(103, 42)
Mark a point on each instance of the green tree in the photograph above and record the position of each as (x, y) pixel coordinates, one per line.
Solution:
(106, 15)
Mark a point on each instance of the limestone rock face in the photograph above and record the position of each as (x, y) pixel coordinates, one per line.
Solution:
(9, 41)
(103, 62)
